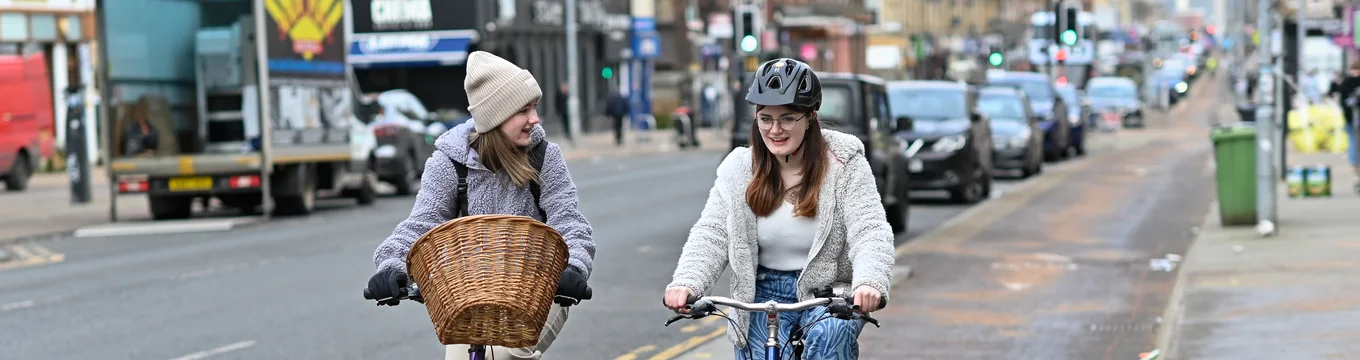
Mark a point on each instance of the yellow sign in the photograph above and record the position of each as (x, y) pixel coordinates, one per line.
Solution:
(196, 183)
(307, 22)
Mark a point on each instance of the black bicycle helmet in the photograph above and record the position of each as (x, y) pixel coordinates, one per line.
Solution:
(786, 81)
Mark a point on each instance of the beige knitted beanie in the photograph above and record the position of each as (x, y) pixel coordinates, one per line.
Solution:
(496, 89)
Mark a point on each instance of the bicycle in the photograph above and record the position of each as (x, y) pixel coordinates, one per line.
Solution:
(840, 307)
(475, 352)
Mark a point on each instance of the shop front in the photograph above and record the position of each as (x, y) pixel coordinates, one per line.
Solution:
(532, 36)
(57, 36)
(830, 38)
(417, 45)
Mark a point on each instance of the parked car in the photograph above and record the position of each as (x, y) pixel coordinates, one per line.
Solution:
(405, 132)
(1116, 99)
(1017, 137)
(1044, 100)
(954, 140)
(858, 105)
(1078, 115)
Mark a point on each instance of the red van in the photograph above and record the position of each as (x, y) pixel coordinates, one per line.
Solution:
(26, 130)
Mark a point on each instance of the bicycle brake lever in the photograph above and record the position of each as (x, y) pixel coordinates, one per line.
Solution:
(869, 319)
(674, 319)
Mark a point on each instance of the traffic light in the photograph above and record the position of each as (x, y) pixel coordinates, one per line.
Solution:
(1071, 27)
(607, 73)
(1210, 29)
(996, 58)
(1062, 80)
(748, 40)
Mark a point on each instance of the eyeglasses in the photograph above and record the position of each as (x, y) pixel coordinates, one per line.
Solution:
(785, 122)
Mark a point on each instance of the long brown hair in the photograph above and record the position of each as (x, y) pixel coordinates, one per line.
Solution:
(766, 189)
(498, 153)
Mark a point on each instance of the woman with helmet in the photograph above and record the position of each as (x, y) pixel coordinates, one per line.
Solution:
(795, 212)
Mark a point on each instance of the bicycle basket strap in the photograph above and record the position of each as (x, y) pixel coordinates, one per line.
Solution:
(460, 209)
(536, 156)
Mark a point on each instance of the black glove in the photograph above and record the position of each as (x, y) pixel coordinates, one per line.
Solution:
(571, 288)
(388, 284)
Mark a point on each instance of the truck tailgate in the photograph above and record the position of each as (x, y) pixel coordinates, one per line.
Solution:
(187, 164)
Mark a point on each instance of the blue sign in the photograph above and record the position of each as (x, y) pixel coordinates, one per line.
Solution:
(446, 48)
(644, 24)
(646, 45)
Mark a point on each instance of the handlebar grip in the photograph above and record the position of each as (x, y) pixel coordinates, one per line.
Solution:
(368, 295)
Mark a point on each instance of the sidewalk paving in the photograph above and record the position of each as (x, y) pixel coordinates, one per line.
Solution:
(1292, 296)
(45, 208)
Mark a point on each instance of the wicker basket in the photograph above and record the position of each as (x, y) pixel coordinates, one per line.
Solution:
(488, 279)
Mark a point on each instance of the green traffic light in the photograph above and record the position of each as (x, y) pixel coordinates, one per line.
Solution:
(1069, 37)
(996, 59)
(607, 72)
(748, 43)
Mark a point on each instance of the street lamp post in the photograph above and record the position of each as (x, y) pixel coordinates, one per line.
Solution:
(1265, 123)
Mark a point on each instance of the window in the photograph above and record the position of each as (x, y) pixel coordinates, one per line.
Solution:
(929, 104)
(837, 112)
(1002, 107)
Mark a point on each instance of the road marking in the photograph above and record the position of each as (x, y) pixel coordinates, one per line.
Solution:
(693, 342)
(632, 355)
(31, 255)
(17, 305)
(217, 351)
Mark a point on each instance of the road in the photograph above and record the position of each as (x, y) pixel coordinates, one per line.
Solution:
(290, 287)
(1063, 271)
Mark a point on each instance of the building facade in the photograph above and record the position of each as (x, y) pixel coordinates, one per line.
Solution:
(63, 33)
(424, 49)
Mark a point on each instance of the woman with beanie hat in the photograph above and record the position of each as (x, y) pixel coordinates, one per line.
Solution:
(495, 146)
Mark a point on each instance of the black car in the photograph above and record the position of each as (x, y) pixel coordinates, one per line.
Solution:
(405, 132)
(1044, 100)
(949, 140)
(858, 105)
(1017, 138)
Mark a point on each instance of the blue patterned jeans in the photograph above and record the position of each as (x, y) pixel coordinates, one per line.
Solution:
(829, 339)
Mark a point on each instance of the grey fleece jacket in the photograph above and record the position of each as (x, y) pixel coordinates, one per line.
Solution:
(853, 245)
(490, 193)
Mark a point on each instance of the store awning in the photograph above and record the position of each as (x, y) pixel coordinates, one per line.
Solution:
(411, 49)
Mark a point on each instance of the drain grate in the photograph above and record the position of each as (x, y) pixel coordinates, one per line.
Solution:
(1121, 327)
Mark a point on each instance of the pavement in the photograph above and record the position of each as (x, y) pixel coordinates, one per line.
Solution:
(45, 209)
(1295, 295)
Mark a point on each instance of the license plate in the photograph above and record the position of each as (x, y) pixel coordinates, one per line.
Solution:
(915, 166)
(194, 183)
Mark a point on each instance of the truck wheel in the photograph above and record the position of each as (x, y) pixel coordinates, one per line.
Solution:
(366, 193)
(167, 207)
(410, 178)
(300, 204)
(899, 215)
(17, 180)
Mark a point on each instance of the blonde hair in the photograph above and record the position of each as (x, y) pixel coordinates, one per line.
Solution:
(500, 155)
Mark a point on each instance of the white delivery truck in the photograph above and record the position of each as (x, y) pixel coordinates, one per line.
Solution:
(272, 125)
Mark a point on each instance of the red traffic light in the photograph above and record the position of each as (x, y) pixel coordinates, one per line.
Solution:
(1062, 54)
(1210, 29)
(1062, 80)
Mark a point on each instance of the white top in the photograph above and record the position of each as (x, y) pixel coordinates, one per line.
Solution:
(785, 240)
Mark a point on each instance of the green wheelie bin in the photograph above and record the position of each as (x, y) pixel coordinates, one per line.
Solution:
(1235, 164)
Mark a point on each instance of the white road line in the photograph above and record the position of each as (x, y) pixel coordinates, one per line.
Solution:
(17, 305)
(217, 351)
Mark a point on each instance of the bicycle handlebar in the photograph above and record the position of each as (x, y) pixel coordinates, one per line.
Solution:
(413, 294)
(840, 307)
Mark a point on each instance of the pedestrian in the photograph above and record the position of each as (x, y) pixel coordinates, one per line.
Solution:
(1346, 92)
(617, 109)
(563, 90)
(798, 191)
(492, 145)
